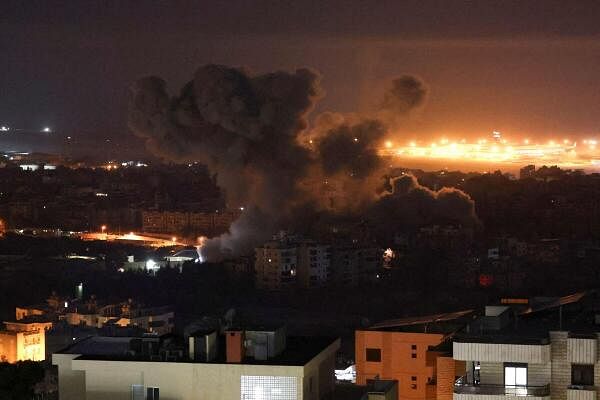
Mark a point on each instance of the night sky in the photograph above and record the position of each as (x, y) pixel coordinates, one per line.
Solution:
(522, 67)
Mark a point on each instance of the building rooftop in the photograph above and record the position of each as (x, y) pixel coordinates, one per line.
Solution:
(192, 254)
(532, 323)
(100, 346)
(30, 319)
(298, 351)
(445, 323)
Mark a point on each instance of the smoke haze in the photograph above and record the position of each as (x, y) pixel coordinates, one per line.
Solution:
(252, 132)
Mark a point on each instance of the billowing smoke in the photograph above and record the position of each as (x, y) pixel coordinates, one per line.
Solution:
(243, 127)
(408, 205)
(352, 148)
(405, 94)
(252, 132)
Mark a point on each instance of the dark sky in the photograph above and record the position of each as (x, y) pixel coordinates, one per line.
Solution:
(522, 67)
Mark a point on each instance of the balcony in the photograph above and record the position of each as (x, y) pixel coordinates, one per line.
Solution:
(537, 352)
(581, 393)
(467, 391)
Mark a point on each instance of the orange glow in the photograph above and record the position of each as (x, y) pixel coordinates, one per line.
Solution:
(501, 150)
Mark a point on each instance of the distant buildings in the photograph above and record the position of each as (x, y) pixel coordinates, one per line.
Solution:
(156, 320)
(290, 261)
(353, 264)
(94, 314)
(232, 365)
(527, 172)
(190, 222)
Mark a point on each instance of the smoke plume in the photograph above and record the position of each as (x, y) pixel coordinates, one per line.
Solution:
(243, 127)
(408, 205)
(405, 94)
(252, 132)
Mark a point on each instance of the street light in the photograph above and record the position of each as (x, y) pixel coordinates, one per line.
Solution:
(103, 229)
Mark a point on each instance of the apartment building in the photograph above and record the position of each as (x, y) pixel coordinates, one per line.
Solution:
(546, 349)
(353, 264)
(414, 352)
(230, 365)
(171, 222)
(291, 261)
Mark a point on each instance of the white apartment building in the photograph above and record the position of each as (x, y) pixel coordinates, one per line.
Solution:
(541, 353)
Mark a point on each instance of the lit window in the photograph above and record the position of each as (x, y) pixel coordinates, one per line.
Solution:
(268, 387)
(515, 374)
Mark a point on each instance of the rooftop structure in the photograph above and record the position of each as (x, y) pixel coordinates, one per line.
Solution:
(235, 364)
(544, 349)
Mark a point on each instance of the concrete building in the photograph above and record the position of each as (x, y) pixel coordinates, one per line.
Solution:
(100, 368)
(172, 222)
(291, 261)
(23, 341)
(156, 320)
(410, 351)
(547, 349)
(352, 264)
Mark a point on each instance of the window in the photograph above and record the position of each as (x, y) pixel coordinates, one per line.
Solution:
(582, 375)
(373, 355)
(152, 393)
(414, 355)
(268, 387)
(515, 374)
(413, 347)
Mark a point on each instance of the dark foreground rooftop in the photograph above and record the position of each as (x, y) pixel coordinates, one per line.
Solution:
(299, 351)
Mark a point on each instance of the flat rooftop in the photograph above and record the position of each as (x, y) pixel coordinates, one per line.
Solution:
(532, 324)
(445, 323)
(298, 351)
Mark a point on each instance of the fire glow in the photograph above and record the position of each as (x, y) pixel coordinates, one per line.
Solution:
(498, 150)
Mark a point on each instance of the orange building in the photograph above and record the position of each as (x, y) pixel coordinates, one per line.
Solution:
(411, 351)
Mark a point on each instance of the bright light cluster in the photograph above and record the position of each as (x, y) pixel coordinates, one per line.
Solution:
(498, 150)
